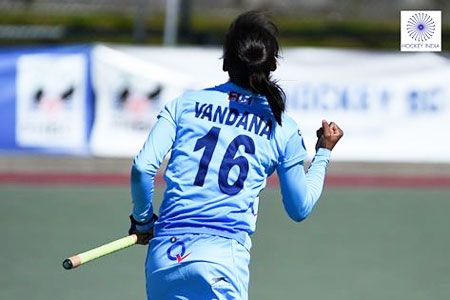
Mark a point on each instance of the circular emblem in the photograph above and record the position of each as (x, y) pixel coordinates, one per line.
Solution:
(177, 251)
(420, 27)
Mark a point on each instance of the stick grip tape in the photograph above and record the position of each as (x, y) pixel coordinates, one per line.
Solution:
(82, 258)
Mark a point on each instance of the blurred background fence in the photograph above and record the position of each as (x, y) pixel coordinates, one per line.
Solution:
(346, 23)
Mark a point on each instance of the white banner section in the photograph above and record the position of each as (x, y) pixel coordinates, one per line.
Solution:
(392, 106)
(51, 104)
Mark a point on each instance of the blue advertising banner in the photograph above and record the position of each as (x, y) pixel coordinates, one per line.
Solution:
(46, 99)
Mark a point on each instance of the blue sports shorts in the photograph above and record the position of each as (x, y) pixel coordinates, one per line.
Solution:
(196, 266)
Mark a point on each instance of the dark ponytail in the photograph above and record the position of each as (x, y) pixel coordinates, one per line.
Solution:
(250, 54)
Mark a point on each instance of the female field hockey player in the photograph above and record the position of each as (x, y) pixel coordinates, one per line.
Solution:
(225, 141)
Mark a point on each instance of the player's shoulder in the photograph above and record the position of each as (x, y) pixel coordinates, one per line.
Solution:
(189, 101)
(203, 94)
(289, 126)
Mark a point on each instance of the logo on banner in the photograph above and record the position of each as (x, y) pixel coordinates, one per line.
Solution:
(51, 100)
(52, 103)
(135, 103)
(420, 31)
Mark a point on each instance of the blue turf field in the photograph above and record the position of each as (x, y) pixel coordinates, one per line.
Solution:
(358, 244)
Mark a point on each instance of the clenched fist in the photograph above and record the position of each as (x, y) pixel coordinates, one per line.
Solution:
(328, 135)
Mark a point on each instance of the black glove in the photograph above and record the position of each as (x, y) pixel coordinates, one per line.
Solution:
(143, 230)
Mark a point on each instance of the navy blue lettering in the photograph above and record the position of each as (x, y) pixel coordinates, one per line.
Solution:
(219, 113)
(256, 123)
(199, 108)
(232, 117)
(207, 112)
(267, 129)
(243, 121)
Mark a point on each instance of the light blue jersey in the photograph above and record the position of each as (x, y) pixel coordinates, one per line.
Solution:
(226, 144)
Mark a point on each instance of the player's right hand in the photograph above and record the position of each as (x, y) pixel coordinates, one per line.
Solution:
(328, 135)
(143, 231)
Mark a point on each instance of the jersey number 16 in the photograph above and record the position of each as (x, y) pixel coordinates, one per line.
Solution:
(209, 142)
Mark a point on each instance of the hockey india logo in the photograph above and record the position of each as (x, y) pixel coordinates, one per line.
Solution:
(420, 27)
